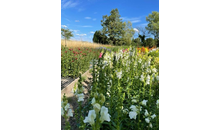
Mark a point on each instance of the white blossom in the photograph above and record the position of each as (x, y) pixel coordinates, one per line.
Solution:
(67, 106)
(147, 120)
(132, 115)
(146, 112)
(97, 107)
(70, 113)
(154, 70)
(80, 97)
(142, 78)
(62, 111)
(133, 100)
(153, 116)
(119, 74)
(148, 79)
(151, 125)
(104, 114)
(157, 78)
(90, 118)
(134, 108)
(144, 102)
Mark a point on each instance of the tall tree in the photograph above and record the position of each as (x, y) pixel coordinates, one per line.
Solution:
(129, 33)
(153, 24)
(113, 27)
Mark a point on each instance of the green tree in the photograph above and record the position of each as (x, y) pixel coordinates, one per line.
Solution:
(150, 42)
(136, 42)
(153, 25)
(99, 37)
(129, 33)
(66, 33)
(113, 27)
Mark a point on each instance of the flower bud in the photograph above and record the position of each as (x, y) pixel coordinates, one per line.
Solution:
(102, 98)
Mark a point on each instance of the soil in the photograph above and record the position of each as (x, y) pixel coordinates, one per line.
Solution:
(73, 100)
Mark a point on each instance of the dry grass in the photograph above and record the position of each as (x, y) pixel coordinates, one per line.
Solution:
(75, 44)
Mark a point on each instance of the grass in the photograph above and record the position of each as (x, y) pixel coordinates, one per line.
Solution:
(75, 44)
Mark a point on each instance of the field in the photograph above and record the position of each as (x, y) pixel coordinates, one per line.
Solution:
(76, 44)
(123, 92)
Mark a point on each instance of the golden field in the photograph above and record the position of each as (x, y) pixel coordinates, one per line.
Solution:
(75, 44)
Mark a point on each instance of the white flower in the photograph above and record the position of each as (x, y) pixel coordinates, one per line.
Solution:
(157, 78)
(139, 60)
(142, 78)
(154, 70)
(67, 106)
(132, 115)
(157, 103)
(133, 100)
(144, 102)
(147, 120)
(134, 108)
(119, 74)
(148, 63)
(108, 94)
(90, 118)
(80, 97)
(151, 125)
(93, 101)
(148, 79)
(148, 70)
(140, 108)
(104, 114)
(153, 76)
(62, 111)
(153, 116)
(146, 112)
(97, 107)
(70, 113)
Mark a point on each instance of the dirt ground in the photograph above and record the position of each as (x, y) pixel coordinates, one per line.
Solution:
(73, 102)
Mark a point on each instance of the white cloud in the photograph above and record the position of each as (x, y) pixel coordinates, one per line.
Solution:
(136, 30)
(87, 17)
(69, 4)
(64, 26)
(81, 34)
(75, 31)
(76, 20)
(135, 21)
(86, 26)
(94, 19)
(92, 32)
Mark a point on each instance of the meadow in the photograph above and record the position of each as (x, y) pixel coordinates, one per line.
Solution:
(76, 44)
(124, 91)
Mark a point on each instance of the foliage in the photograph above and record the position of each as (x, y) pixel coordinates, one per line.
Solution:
(153, 25)
(136, 42)
(113, 27)
(66, 33)
(129, 32)
(150, 42)
(99, 37)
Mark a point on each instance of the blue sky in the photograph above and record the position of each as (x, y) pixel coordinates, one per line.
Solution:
(83, 17)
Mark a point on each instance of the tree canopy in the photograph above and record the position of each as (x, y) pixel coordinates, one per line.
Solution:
(153, 24)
